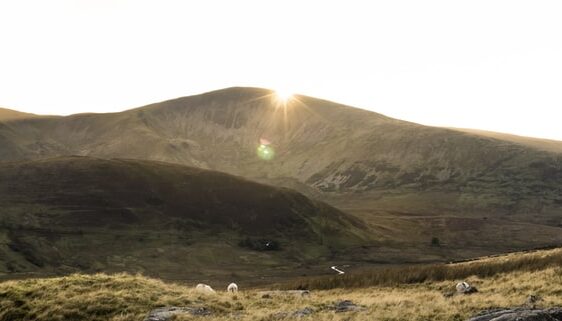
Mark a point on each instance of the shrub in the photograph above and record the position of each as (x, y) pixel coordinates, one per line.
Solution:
(435, 241)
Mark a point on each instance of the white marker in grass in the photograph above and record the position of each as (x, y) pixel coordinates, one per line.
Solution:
(336, 269)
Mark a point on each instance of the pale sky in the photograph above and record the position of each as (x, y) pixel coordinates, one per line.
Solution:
(494, 65)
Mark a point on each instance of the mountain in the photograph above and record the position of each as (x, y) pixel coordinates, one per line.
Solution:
(86, 214)
(537, 143)
(8, 114)
(475, 192)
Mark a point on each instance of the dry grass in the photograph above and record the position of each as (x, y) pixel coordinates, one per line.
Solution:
(483, 268)
(124, 297)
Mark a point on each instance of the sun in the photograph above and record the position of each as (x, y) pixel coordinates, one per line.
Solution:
(284, 94)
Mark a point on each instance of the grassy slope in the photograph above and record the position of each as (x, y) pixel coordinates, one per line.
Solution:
(405, 223)
(538, 143)
(396, 276)
(328, 146)
(8, 114)
(171, 221)
(478, 194)
(123, 297)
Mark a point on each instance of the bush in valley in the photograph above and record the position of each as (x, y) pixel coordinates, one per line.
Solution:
(260, 244)
(435, 241)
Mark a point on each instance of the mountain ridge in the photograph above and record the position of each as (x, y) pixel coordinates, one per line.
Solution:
(329, 147)
(409, 182)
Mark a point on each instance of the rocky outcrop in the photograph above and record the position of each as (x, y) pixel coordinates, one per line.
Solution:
(295, 314)
(519, 314)
(164, 314)
(270, 294)
(345, 306)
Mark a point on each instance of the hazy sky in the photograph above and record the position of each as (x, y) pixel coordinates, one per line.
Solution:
(493, 65)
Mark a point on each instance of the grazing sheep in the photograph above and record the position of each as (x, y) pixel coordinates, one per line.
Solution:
(462, 287)
(465, 288)
(204, 288)
(232, 287)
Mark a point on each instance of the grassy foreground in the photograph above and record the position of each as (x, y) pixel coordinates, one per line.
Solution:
(123, 297)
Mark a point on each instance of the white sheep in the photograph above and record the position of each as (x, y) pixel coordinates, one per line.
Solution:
(462, 287)
(204, 288)
(232, 287)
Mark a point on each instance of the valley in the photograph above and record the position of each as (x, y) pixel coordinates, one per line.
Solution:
(72, 214)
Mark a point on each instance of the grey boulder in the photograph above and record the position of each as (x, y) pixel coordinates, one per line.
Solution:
(519, 314)
(164, 314)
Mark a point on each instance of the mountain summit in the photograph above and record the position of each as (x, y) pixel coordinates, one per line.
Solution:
(379, 168)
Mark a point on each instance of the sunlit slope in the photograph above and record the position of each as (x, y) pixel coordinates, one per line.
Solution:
(538, 143)
(410, 183)
(79, 213)
(8, 114)
(20, 139)
(319, 146)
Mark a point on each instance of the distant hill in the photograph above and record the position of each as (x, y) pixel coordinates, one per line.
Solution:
(331, 147)
(548, 145)
(409, 182)
(86, 214)
(8, 114)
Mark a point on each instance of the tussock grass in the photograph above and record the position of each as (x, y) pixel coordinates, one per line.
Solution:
(124, 297)
(434, 272)
(86, 297)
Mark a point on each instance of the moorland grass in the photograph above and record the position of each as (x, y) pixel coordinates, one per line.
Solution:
(124, 297)
(393, 276)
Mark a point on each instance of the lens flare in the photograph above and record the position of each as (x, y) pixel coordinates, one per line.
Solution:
(284, 95)
(265, 152)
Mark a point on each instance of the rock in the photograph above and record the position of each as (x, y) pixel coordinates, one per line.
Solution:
(269, 294)
(296, 314)
(164, 314)
(532, 301)
(346, 306)
(303, 312)
(519, 314)
(279, 316)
